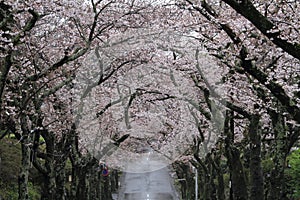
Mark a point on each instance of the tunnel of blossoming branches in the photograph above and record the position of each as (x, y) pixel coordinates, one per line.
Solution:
(105, 100)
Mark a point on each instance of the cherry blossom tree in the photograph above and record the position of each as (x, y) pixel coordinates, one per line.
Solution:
(42, 46)
(248, 37)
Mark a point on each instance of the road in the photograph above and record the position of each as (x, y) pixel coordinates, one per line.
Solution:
(152, 182)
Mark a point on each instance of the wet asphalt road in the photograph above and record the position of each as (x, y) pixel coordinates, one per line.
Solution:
(153, 182)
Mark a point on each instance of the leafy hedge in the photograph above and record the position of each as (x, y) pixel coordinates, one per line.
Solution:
(293, 173)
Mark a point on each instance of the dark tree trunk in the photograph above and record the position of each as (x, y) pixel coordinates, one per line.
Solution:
(63, 149)
(201, 183)
(60, 181)
(106, 194)
(238, 179)
(26, 144)
(83, 182)
(220, 189)
(49, 184)
(256, 174)
(236, 168)
(74, 182)
(49, 187)
(114, 181)
(211, 187)
(210, 175)
(220, 178)
(182, 171)
(24, 171)
(5, 66)
(98, 186)
(277, 186)
(95, 183)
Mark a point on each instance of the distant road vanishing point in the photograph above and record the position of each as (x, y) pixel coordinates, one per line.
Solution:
(152, 182)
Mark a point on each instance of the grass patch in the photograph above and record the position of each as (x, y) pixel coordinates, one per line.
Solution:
(10, 163)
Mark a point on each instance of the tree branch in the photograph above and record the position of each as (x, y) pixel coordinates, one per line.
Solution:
(276, 89)
(265, 26)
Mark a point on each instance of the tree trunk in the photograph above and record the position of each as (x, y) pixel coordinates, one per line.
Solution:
(49, 184)
(220, 189)
(220, 178)
(5, 66)
(95, 182)
(211, 187)
(180, 170)
(210, 176)
(24, 170)
(82, 187)
(238, 179)
(256, 174)
(114, 181)
(26, 144)
(75, 159)
(62, 149)
(74, 182)
(60, 181)
(277, 186)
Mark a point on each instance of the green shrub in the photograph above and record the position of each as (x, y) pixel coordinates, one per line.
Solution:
(33, 192)
(10, 192)
(267, 165)
(293, 173)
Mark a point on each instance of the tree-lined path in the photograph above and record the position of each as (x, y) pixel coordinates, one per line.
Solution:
(209, 85)
(152, 182)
